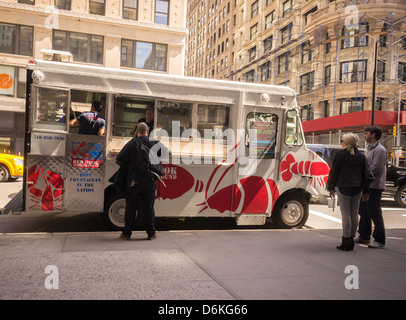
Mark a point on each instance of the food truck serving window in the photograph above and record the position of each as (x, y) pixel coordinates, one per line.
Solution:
(213, 117)
(174, 117)
(128, 111)
(262, 140)
(51, 109)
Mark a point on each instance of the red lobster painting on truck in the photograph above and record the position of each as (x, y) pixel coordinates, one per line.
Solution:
(252, 194)
(46, 189)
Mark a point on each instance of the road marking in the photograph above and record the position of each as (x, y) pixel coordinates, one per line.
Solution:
(395, 209)
(325, 216)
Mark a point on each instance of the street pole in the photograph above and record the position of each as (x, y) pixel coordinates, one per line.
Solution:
(374, 83)
(398, 131)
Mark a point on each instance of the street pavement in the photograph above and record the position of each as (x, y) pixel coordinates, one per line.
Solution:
(192, 265)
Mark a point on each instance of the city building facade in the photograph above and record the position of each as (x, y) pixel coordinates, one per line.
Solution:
(346, 60)
(145, 35)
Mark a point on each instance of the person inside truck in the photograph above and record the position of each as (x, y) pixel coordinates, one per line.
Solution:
(91, 122)
(149, 120)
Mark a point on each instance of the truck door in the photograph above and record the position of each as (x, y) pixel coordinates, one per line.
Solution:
(65, 171)
(258, 170)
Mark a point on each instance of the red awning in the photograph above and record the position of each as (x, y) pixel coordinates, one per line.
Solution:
(355, 121)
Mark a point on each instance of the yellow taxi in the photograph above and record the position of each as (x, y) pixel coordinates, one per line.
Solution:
(11, 167)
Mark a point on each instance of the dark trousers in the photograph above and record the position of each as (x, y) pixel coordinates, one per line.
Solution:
(144, 192)
(370, 210)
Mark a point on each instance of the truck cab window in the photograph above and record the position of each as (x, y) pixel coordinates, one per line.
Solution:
(262, 141)
(294, 135)
(51, 109)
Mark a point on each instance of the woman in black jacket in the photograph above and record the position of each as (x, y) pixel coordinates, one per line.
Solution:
(351, 174)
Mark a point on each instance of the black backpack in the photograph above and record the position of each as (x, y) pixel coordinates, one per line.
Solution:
(153, 169)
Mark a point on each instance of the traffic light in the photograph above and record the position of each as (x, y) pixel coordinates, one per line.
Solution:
(395, 131)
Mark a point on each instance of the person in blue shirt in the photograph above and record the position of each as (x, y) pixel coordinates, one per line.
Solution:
(91, 122)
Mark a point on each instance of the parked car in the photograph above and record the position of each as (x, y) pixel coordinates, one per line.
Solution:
(395, 177)
(11, 167)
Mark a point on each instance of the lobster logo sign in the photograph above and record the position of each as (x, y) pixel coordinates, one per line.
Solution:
(46, 189)
(318, 170)
(86, 155)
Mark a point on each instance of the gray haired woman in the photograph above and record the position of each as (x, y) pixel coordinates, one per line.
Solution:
(351, 175)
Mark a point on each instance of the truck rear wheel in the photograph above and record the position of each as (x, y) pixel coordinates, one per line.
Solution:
(291, 211)
(114, 211)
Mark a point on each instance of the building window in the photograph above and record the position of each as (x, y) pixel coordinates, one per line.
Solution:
(306, 82)
(287, 7)
(12, 81)
(284, 62)
(380, 72)
(250, 76)
(16, 39)
(254, 9)
(353, 71)
(252, 53)
(351, 40)
(84, 47)
(306, 113)
(327, 75)
(97, 7)
(162, 12)
(403, 42)
(63, 4)
(306, 52)
(253, 31)
(326, 108)
(314, 9)
(143, 55)
(402, 72)
(383, 37)
(269, 19)
(265, 70)
(380, 102)
(286, 33)
(130, 9)
(351, 105)
(27, 1)
(268, 45)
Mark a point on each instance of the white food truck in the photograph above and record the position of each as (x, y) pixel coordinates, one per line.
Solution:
(237, 149)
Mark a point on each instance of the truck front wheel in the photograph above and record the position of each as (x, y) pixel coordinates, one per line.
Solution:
(291, 211)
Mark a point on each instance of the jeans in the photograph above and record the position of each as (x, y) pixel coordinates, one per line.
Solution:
(371, 210)
(349, 210)
(144, 192)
